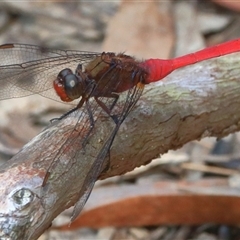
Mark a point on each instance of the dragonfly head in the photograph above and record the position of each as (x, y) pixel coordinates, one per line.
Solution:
(68, 85)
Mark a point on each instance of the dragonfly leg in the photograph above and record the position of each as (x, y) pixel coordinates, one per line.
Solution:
(70, 111)
(64, 115)
(106, 109)
(115, 96)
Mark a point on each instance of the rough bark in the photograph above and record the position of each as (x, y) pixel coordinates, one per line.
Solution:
(192, 103)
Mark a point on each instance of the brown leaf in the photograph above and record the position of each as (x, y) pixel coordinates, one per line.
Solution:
(161, 203)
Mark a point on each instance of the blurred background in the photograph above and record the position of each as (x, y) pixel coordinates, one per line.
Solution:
(145, 29)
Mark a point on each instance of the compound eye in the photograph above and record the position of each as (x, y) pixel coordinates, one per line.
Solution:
(68, 86)
(71, 86)
(70, 83)
(64, 73)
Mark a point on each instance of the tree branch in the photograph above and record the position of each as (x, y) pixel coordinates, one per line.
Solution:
(192, 103)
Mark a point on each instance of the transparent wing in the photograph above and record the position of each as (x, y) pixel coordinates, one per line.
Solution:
(29, 69)
(132, 97)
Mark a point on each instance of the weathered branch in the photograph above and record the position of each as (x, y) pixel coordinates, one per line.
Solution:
(192, 103)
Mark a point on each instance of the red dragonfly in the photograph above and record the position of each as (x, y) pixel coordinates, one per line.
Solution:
(97, 79)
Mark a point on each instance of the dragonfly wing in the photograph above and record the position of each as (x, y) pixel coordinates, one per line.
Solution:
(93, 174)
(81, 202)
(15, 53)
(29, 69)
(132, 97)
(84, 195)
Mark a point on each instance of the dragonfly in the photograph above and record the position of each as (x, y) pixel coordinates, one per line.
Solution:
(92, 83)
